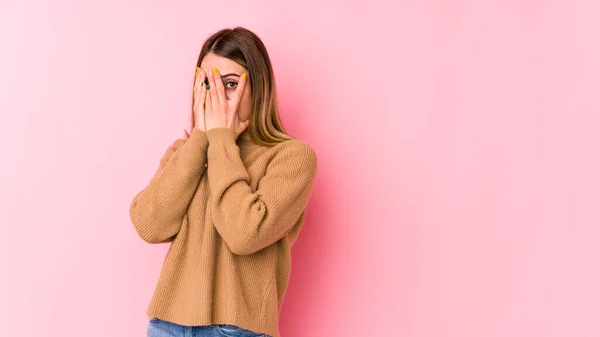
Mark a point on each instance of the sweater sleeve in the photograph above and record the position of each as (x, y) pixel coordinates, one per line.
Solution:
(158, 210)
(251, 220)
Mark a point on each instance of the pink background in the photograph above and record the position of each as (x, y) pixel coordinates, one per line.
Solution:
(458, 184)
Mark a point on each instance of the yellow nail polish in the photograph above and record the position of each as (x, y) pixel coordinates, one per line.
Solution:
(244, 75)
(197, 70)
(214, 70)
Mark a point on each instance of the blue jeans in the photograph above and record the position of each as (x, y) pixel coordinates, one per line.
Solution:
(160, 328)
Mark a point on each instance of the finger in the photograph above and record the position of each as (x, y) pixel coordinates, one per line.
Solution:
(195, 99)
(211, 83)
(202, 102)
(196, 84)
(208, 102)
(202, 94)
(239, 91)
(199, 87)
(219, 86)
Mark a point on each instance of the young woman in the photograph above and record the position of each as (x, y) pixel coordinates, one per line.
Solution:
(229, 197)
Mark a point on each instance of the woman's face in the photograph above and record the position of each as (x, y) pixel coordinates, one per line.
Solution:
(230, 74)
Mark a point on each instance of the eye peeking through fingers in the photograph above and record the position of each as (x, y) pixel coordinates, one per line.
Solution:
(230, 85)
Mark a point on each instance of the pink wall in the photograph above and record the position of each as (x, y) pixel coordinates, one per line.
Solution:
(458, 185)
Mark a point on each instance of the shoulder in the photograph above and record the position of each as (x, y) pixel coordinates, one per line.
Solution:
(296, 152)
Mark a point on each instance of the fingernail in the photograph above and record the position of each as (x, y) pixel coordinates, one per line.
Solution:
(207, 86)
(244, 75)
(197, 70)
(201, 84)
(214, 70)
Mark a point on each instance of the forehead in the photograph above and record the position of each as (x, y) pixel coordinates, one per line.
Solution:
(224, 64)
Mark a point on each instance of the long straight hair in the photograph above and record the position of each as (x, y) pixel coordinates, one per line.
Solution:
(244, 47)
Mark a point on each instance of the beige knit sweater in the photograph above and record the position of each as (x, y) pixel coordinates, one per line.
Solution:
(231, 210)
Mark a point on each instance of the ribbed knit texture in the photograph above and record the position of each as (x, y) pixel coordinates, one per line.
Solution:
(231, 210)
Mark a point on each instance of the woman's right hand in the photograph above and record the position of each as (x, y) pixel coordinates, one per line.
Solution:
(199, 99)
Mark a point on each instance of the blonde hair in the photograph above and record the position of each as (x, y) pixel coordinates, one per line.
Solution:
(246, 48)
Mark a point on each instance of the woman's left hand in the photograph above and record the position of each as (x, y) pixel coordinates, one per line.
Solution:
(219, 112)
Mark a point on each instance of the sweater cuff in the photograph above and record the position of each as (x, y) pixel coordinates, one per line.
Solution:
(221, 134)
(198, 137)
(195, 147)
(222, 148)
(225, 165)
(198, 140)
